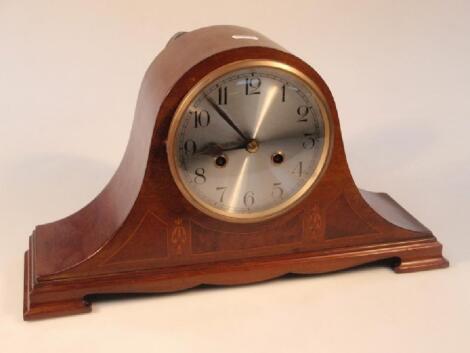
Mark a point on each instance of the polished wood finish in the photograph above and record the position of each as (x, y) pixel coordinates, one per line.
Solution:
(141, 235)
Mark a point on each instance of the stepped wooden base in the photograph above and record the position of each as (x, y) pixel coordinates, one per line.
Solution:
(421, 265)
(68, 296)
(33, 311)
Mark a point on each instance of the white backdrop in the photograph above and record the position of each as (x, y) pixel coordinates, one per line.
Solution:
(400, 73)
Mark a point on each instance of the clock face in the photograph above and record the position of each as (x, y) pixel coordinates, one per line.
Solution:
(249, 140)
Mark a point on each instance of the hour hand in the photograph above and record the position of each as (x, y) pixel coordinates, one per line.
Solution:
(227, 119)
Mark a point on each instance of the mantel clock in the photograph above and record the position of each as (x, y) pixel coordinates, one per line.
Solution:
(235, 172)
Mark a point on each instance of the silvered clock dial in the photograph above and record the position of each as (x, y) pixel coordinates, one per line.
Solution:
(249, 141)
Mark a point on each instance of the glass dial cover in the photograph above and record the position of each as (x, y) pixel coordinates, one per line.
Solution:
(249, 140)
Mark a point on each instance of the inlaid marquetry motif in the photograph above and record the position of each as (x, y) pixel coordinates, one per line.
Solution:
(314, 223)
(178, 237)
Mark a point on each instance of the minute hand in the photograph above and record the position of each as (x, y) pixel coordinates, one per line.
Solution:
(226, 118)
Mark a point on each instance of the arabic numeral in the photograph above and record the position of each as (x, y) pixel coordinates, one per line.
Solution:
(298, 170)
(223, 189)
(223, 95)
(200, 178)
(309, 142)
(249, 199)
(252, 86)
(302, 112)
(277, 191)
(201, 118)
(190, 147)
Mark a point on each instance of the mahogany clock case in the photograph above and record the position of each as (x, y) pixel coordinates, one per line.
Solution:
(141, 235)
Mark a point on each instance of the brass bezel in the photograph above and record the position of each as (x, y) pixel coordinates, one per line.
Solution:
(294, 199)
